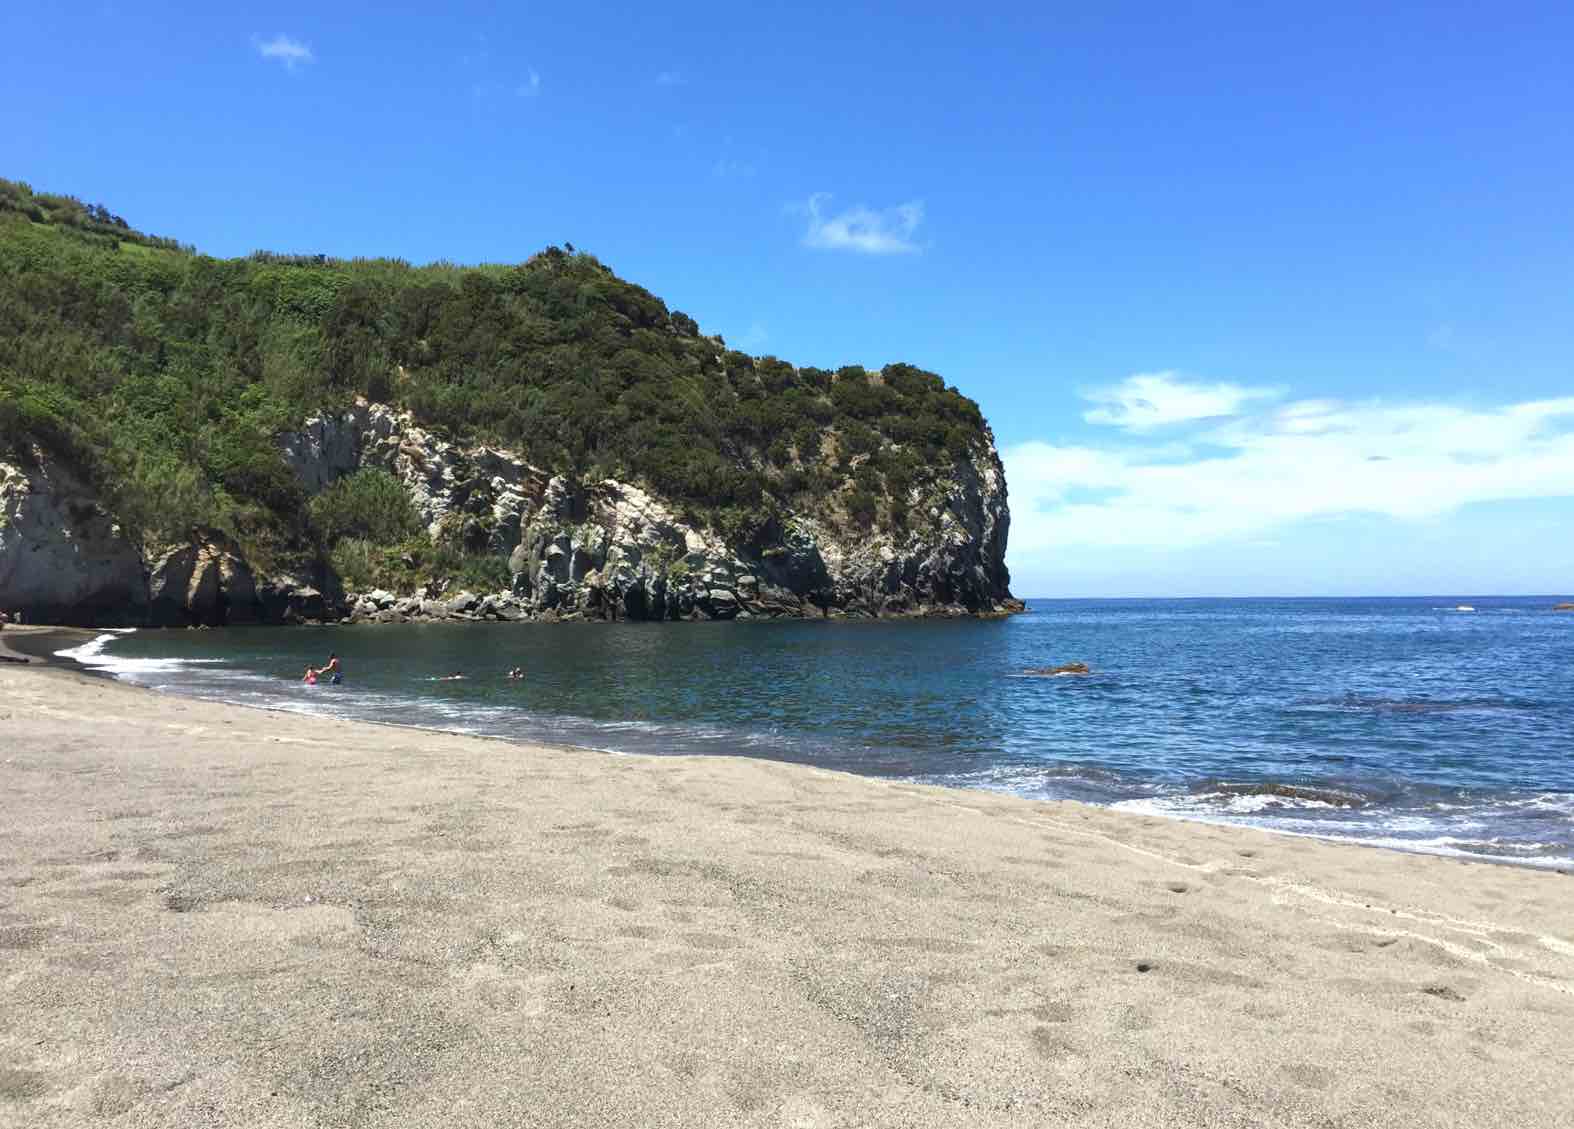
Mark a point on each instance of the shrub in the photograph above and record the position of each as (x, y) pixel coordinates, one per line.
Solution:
(359, 563)
(369, 506)
(861, 508)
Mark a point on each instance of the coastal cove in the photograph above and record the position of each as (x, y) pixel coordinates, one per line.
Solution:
(1400, 723)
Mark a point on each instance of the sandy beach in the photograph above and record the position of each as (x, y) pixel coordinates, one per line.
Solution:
(218, 916)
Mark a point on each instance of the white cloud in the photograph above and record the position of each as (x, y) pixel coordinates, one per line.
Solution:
(290, 52)
(531, 86)
(1158, 399)
(671, 78)
(1271, 467)
(864, 230)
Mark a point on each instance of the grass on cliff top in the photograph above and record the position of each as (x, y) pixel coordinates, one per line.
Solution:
(164, 376)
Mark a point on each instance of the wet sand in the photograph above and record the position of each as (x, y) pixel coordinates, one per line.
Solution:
(218, 916)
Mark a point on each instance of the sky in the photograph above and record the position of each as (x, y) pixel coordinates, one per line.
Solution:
(1266, 302)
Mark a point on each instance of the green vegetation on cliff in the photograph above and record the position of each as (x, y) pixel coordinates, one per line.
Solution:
(165, 376)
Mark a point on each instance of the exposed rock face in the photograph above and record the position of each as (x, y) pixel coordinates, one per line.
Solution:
(607, 550)
(441, 478)
(611, 550)
(62, 558)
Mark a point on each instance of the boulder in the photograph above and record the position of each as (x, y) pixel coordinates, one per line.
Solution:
(183, 588)
(204, 582)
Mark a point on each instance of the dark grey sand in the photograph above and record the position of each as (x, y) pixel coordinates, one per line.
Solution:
(218, 916)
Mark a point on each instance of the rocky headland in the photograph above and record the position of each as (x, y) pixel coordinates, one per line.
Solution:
(286, 438)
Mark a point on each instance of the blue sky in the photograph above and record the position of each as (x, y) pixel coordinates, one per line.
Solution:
(1276, 302)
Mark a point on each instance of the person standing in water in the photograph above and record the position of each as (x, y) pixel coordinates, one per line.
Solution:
(333, 670)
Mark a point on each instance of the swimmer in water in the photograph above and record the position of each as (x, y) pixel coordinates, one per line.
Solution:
(310, 677)
(333, 670)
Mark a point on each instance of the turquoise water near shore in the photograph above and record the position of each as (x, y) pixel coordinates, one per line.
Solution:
(1400, 722)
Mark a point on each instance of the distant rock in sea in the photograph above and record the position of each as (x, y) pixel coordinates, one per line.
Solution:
(1056, 671)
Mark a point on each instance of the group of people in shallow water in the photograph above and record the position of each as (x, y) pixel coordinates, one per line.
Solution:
(514, 674)
(334, 673)
(329, 670)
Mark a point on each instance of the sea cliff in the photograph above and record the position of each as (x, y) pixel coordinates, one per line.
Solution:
(606, 549)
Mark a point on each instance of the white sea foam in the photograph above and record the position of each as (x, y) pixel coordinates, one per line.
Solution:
(1418, 833)
(93, 647)
(1561, 803)
(1452, 847)
(92, 654)
(1223, 803)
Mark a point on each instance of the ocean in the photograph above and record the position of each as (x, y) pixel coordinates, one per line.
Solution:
(1407, 723)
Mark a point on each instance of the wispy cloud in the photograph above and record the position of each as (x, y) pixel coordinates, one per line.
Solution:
(729, 167)
(1149, 400)
(1270, 465)
(671, 78)
(531, 86)
(281, 48)
(864, 230)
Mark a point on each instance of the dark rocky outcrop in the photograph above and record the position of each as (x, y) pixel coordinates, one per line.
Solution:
(1056, 671)
(209, 583)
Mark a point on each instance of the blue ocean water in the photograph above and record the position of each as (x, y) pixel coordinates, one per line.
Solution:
(1411, 723)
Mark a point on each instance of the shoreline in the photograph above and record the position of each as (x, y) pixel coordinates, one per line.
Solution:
(36, 644)
(1556, 865)
(332, 921)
